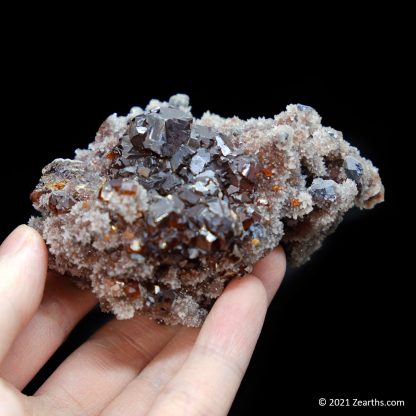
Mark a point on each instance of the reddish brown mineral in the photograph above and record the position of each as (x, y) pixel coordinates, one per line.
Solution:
(162, 210)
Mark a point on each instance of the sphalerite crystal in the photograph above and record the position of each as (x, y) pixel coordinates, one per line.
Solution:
(162, 209)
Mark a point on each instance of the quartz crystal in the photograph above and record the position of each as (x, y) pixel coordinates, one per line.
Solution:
(163, 209)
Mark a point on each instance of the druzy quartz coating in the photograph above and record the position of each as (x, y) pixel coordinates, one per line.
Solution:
(163, 209)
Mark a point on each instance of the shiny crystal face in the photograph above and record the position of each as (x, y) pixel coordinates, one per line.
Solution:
(163, 210)
(199, 188)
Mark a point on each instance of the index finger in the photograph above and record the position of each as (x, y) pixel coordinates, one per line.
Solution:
(23, 264)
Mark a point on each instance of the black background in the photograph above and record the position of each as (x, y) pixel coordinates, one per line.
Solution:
(340, 325)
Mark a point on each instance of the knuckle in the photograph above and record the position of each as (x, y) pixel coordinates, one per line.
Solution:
(117, 347)
(183, 402)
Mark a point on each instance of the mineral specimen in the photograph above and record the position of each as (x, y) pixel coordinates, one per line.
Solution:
(162, 209)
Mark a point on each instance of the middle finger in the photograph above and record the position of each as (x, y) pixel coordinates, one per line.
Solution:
(62, 306)
(98, 370)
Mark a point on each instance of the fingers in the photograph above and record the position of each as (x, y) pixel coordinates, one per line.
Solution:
(23, 264)
(138, 397)
(62, 306)
(94, 374)
(12, 402)
(270, 270)
(209, 379)
(211, 375)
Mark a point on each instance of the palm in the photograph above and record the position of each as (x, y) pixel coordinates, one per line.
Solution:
(131, 367)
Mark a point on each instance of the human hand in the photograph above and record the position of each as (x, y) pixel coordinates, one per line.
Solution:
(130, 367)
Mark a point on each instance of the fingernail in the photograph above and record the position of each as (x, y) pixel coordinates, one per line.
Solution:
(15, 241)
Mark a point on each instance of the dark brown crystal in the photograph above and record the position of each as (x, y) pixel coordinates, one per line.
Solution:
(163, 210)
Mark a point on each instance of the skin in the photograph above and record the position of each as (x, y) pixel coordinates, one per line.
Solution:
(132, 367)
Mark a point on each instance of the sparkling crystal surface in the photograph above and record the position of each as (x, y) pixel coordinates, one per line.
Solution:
(162, 209)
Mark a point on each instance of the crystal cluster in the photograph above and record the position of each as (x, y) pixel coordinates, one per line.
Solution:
(162, 209)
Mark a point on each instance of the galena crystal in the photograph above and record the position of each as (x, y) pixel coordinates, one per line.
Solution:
(162, 209)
